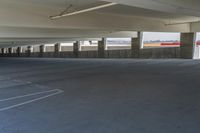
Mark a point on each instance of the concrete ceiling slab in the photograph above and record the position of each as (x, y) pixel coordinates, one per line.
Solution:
(182, 7)
(24, 19)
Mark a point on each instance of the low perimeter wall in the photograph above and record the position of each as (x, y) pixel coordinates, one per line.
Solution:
(144, 53)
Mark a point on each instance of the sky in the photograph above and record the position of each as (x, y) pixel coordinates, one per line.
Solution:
(147, 36)
(155, 36)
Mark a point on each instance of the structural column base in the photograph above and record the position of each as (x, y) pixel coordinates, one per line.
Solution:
(187, 45)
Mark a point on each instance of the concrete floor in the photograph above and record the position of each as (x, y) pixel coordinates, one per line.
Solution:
(100, 96)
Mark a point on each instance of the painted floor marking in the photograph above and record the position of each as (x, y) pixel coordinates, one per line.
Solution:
(57, 91)
(27, 95)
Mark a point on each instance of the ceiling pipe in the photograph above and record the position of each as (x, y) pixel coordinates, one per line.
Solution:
(82, 11)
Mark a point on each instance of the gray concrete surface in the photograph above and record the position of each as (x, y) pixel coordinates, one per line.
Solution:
(187, 49)
(100, 96)
(148, 53)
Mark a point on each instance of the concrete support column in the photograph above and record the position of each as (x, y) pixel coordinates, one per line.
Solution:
(187, 49)
(2, 51)
(76, 48)
(29, 50)
(10, 51)
(19, 51)
(101, 48)
(42, 50)
(136, 45)
(57, 49)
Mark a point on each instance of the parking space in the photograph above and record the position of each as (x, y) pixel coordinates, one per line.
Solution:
(99, 95)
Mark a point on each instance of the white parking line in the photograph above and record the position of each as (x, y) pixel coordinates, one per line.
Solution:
(57, 91)
(32, 94)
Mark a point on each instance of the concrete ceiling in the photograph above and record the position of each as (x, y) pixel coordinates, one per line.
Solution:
(182, 7)
(29, 19)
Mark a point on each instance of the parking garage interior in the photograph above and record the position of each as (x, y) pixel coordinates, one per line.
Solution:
(99, 66)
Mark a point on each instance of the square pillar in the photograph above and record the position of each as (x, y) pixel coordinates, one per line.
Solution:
(42, 50)
(19, 51)
(101, 48)
(29, 50)
(57, 49)
(136, 45)
(76, 48)
(10, 51)
(187, 48)
(2, 51)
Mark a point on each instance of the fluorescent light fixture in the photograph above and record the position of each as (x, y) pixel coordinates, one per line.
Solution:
(83, 11)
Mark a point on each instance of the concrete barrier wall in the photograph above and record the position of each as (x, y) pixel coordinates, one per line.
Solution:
(144, 53)
(118, 54)
(160, 53)
(50, 48)
(89, 48)
(66, 48)
(36, 49)
(118, 47)
(88, 54)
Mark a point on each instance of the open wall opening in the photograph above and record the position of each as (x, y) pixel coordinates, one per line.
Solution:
(49, 47)
(67, 46)
(118, 43)
(160, 39)
(89, 45)
(36, 48)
